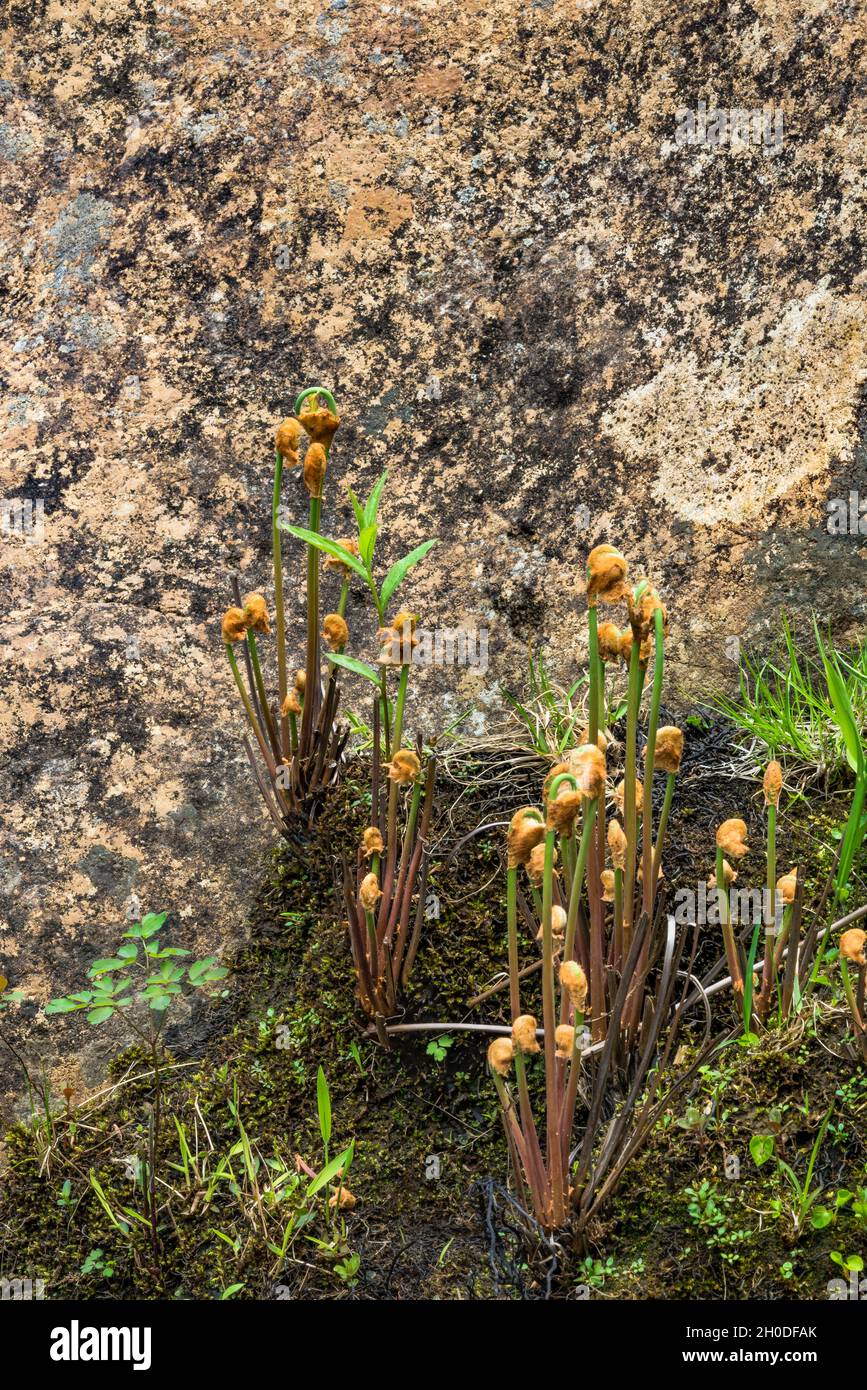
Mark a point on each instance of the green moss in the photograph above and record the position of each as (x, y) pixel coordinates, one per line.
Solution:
(291, 1008)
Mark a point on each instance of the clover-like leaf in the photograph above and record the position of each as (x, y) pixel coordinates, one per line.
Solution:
(761, 1148)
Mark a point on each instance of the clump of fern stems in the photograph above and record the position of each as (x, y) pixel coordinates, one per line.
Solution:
(391, 862)
(767, 991)
(608, 976)
(385, 891)
(297, 743)
(566, 1173)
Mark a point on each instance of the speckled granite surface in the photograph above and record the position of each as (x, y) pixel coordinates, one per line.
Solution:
(555, 323)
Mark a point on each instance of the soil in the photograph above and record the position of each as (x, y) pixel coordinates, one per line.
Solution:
(434, 1217)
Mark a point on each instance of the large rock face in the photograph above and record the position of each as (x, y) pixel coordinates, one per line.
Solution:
(553, 320)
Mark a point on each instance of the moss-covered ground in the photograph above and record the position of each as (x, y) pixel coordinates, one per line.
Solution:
(695, 1216)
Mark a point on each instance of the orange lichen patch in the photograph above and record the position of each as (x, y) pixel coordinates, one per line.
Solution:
(439, 81)
(375, 213)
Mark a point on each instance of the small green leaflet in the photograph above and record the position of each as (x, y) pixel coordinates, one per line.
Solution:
(357, 508)
(204, 971)
(330, 547)
(351, 663)
(102, 967)
(323, 1103)
(64, 1006)
(152, 923)
(331, 1170)
(401, 568)
(100, 1015)
(371, 506)
(366, 542)
(761, 1148)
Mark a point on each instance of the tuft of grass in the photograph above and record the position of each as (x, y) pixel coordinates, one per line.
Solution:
(552, 715)
(785, 706)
